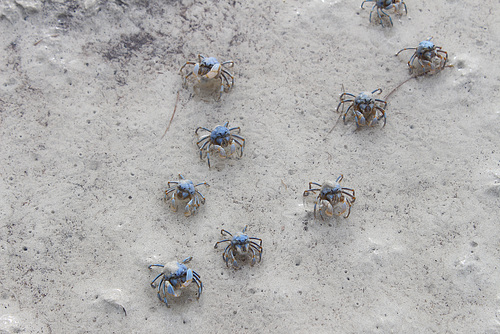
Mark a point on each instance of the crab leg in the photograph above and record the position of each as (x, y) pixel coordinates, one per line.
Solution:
(155, 265)
(195, 205)
(253, 256)
(344, 191)
(255, 245)
(260, 241)
(380, 117)
(201, 150)
(202, 139)
(235, 263)
(152, 282)
(405, 50)
(341, 103)
(253, 249)
(168, 191)
(225, 231)
(306, 192)
(240, 138)
(402, 3)
(218, 242)
(346, 94)
(229, 63)
(202, 197)
(187, 63)
(208, 153)
(412, 59)
(316, 184)
(382, 101)
(230, 75)
(241, 146)
(204, 144)
(202, 128)
(223, 76)
(366, 1)
(198, 282)
(225, 255)
(346, 112)
(390, 19)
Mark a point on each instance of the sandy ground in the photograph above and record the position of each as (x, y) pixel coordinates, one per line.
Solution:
(87, 90)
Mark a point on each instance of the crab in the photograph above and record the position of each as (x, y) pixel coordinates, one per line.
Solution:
(185, 191)
(330, 194)
(367, 110)
(207, 68)
(175, 276)
(240, 244)
(429, 56)
(382, 5)
(219, 140)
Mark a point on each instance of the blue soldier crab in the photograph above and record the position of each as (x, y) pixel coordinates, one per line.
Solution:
(175, 276)
(367, 110)
(208, 68)
(429, 58)
(219, 140)
(185, 191)
(331, 194)
(240, 244)
(382, 5)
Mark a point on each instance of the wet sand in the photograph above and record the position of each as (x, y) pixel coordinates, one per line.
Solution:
(88, 88)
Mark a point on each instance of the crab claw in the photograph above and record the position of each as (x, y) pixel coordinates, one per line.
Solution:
(329, 210)
(342, 208)
(220, 150)
(171, 291)
(360, 119)
(196, 70)
(187, 209)
(213, 72)
(189, 278)
(233, 148)
(173, 206)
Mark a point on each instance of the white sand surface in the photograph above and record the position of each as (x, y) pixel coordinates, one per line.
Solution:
(88, 87)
